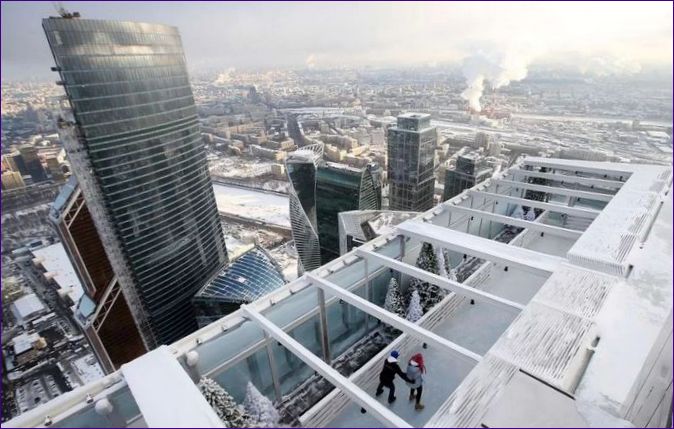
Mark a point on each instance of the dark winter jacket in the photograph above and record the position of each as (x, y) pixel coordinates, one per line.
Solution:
(389, 372)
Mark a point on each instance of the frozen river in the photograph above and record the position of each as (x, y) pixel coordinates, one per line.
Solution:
(253, 204)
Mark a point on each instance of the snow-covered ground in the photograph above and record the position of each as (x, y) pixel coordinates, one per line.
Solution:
(87, 369)
(249, 203)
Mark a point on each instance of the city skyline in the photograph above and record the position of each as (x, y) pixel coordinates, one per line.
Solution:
(623, 39)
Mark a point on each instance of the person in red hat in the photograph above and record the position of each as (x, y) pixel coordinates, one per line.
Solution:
(415, 371)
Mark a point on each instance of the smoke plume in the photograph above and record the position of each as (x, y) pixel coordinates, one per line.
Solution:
(498, 70)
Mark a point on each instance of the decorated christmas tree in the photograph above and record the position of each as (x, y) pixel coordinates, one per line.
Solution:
(430, 294)
(414, 310)
(394, 303)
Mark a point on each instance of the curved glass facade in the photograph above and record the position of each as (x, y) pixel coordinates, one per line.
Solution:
(248, 277)
(132, 102)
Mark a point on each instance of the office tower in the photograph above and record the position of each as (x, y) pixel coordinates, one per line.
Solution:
(55, 169)
(130, 127)
(411, 161)
(32, 164)
(102, 313)
(319, 191)
(468, 172)
(342, 188)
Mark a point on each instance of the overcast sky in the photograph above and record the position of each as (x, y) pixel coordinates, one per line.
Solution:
(616, 35)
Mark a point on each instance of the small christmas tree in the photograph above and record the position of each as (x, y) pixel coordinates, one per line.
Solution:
(222, 403)
(518, 213)
(453, 275)
(394, 303)
(261, 410)
(442, 265)
(429, 294)
(530, 216)
(414, 310)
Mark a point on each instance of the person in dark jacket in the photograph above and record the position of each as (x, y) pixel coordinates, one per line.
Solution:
(387, 375)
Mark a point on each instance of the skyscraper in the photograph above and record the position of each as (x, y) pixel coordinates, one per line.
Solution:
(469, 171)
(32, 163)
(319, 191)
(131, 130)
(411, 162)
(102, 312)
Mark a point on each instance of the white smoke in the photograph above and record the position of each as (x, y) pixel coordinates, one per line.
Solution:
(310, 62)
(608, 66)
(498, 69)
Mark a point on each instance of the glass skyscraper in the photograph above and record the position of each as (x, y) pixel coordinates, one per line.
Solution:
(319, 191)
(411, 163)
(131, 130)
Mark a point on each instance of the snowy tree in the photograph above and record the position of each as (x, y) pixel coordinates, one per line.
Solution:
(394, 299)
(222, 403)
(414, 310)
(261, 410)
(530, 216)
(518, 213)
(394, 304)
(429, 294)
(442, 264)
(453, 275)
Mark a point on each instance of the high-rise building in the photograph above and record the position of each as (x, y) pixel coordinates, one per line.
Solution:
(411, 162)
(342, 188)
(32, 163)
(102, 312)
(319, 191)
(130, 127)
(468, 172)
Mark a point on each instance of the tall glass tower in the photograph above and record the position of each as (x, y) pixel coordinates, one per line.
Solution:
(411, 163)
(130, 127)
(319, 191)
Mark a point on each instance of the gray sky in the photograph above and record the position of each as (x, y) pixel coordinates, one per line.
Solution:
(616, 36)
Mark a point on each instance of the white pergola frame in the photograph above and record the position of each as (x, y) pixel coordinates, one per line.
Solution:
(483, 248)
(555, 190)
(394, 320)
(557, 208)
(569, 166)
(507, 220)
(565, 178)
(439, 281)
(355, 393)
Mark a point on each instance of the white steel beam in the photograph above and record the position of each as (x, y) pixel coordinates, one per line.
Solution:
(507, 220)
(439, 281)
(566, 178)
(350, 389)
(558, 208)
(483, 248)
(556, 190)
(396, 321)
(603, 168)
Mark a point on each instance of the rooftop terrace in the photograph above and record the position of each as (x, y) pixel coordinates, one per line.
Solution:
(564, 315)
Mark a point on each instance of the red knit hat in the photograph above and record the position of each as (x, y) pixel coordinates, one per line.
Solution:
(419, 359)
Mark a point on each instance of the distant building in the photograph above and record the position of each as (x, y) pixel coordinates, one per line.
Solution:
(141, 165)
(319, 191)
(54, 168)
(32, 163)
(251, 275)
(102, 311)
(411, 162)
(27, 308)
(12, 180)
(468, 172)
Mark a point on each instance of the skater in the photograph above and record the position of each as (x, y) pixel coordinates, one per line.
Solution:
(415, 371)
(387, 375)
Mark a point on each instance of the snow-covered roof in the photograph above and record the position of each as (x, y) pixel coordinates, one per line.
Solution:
(24, 342)
(57, 264)
(26, 307)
